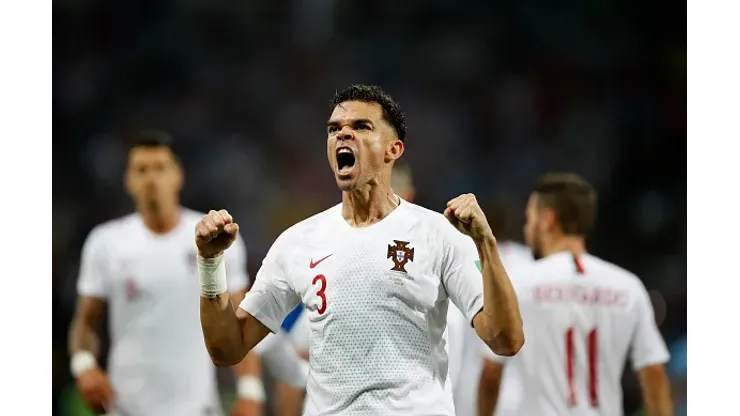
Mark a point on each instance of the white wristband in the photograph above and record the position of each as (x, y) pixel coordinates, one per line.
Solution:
(212, 273)
(250, 388)
(82, 361)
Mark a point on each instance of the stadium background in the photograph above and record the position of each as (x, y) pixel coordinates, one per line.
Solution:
(495, 94)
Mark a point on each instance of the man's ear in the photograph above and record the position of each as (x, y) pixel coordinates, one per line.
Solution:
(395, 151)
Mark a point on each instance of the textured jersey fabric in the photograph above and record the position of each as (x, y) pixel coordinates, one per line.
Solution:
(376, 299)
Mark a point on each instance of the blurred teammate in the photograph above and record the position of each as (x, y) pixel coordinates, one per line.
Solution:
(582, 315)
(290, 370)
(375, 274)
(141, 270)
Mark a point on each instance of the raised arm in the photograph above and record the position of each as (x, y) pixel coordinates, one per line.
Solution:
(498, 322)
(231, 333)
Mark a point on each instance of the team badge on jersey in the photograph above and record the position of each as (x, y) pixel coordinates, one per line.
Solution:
(400, 254)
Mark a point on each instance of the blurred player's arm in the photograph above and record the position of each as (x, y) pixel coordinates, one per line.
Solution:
(92, 291)
(289, 400)
(496, 316)
(656, 391)
(84, 348)
(231, 333)
(290, 371)
(84, 332)
(85, 328)
(649, 355)
(489, 386)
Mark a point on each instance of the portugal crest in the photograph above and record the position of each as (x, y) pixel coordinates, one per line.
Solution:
(401, 254)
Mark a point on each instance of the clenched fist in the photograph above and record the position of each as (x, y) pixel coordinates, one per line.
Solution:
(466, 215)
(214, 233)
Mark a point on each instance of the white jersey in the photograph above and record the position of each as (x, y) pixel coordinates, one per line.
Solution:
(515, 257)
(300, 334)
(281, 358)
(158, 363)
(377, 299)
(464, 358)
(581, 319)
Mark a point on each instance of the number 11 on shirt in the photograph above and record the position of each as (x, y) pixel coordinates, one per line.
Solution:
(591, 349)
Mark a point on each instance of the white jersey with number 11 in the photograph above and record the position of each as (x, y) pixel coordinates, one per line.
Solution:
(582, 318)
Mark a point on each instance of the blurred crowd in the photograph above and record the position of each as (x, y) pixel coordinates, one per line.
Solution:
(495, 94)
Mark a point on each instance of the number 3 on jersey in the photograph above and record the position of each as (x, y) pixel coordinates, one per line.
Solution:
(321, 279)
(592, 346)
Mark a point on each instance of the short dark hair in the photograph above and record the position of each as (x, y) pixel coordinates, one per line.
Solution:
(392, 113)
(153, 138)
(572, 199)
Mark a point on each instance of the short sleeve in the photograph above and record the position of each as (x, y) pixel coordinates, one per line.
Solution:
(648, 346)
(93, 278)
(461, 274)
(236, 266)
(272, 295)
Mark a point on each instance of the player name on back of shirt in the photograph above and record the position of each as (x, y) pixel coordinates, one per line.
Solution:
(582, 295)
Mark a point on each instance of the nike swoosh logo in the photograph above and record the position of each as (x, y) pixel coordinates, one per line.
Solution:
(313, 264)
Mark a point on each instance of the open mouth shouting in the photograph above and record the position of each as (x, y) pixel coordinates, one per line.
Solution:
(345, 161)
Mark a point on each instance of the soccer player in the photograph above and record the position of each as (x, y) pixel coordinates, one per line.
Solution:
(464, 344)
(141, 270)
(583, 315)
(375, 274)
